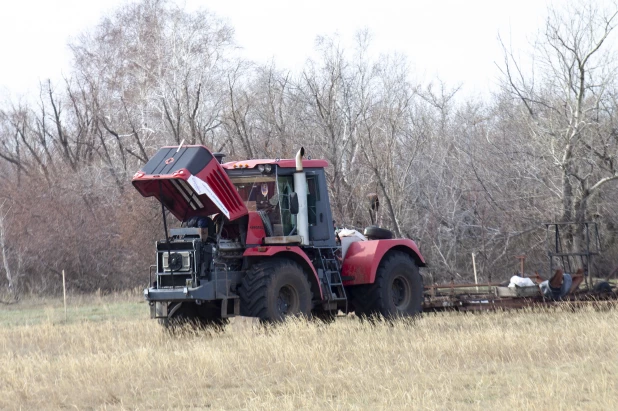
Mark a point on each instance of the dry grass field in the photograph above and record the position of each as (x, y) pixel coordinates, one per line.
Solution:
(109, 355)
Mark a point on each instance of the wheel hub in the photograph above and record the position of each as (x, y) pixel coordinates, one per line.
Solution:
(400, 291)
(287, 300)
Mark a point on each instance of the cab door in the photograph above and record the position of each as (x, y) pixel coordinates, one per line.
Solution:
(321, 228)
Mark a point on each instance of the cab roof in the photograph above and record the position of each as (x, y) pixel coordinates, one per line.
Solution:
(284, 163)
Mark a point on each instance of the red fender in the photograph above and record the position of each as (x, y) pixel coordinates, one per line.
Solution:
(363, 258)
(295, 252)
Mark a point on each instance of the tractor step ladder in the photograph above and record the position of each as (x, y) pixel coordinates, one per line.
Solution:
(332, 276)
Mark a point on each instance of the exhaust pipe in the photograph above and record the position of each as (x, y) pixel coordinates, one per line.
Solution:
(299, 159)
(300, 187)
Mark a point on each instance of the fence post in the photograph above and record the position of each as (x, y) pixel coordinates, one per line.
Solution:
(64, 294)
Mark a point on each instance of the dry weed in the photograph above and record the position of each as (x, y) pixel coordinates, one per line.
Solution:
(531, 360)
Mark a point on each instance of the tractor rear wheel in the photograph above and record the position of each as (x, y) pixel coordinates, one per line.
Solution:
(274, 289)
(396, 292)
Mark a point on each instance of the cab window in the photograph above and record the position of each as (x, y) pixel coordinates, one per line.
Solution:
(312, 199)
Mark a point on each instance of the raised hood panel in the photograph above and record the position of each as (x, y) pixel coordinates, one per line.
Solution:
(189, 182)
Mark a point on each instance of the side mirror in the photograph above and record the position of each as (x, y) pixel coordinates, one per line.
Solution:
(293, 203)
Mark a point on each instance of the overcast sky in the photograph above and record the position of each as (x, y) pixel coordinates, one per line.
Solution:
(453, 39)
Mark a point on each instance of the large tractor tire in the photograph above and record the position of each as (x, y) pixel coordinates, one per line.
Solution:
(206, 315)
(274, 289)
(396, 292)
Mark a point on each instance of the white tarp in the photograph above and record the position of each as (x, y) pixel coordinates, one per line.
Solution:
(517, 281)
(346, 232)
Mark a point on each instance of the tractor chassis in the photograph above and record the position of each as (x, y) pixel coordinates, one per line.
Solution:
(207, 291)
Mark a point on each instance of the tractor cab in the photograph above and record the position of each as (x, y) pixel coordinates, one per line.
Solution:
(190, 182)
(268, 187)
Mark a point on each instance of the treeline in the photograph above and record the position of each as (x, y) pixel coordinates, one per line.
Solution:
(458, 175)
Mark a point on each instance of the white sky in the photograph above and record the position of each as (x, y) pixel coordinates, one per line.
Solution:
(453, 39)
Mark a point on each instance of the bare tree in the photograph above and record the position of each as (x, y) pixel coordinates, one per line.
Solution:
(570, 106)
(157, 75)
(12, 273)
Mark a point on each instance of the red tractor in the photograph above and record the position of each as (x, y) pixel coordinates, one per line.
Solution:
(257, 239)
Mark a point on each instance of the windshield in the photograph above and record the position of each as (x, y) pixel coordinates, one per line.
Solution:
(268, 194)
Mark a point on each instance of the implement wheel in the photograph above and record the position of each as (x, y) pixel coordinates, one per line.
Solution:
(396, 292)
(274, 289)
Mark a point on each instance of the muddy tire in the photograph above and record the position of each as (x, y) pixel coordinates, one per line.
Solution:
(396, 292)
(274, 289)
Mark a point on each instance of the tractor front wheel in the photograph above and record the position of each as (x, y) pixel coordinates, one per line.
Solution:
(397, 290)
(274, 289)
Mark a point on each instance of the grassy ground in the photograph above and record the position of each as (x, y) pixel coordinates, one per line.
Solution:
(109, 355)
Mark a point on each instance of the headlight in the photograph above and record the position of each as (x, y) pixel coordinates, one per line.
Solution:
(265, 168)
(177, 261)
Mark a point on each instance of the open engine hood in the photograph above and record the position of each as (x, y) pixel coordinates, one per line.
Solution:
(189, 182)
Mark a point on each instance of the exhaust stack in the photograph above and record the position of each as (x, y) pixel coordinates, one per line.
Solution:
(299, 159)
(300, 187)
